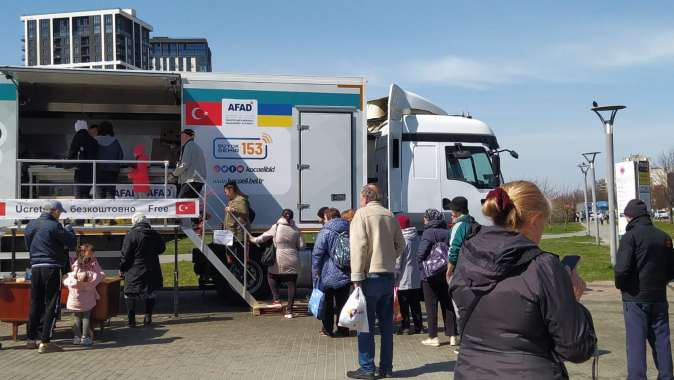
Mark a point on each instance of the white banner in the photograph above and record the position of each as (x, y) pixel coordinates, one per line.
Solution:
(626, 190)
(103, 208)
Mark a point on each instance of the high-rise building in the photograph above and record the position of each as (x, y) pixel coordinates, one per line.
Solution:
(180, 54)
(100, 39)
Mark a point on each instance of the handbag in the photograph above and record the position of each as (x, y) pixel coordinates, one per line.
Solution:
(269, 255)
(437, 260)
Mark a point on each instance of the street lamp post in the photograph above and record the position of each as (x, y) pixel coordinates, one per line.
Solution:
(584, 169)
(589, 157)
(607, 122)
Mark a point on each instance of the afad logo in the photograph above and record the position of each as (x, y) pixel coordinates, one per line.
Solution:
(229, 168)
(240, 107)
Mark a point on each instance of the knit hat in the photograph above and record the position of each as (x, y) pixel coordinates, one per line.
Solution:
(636, 208)
(433, 214)
(138, 217)
(80, 125)
(404, 221)
(460, 205)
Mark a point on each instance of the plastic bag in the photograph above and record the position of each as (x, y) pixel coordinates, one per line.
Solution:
(316, 303)
(354, 313)
(397, 315)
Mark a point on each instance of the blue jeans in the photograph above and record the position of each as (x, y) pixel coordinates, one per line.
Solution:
(378, 290)
(647, 322)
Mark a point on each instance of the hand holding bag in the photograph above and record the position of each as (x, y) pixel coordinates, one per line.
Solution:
(316, 302)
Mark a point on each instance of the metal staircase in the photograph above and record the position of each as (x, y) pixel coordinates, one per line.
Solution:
(207, 196)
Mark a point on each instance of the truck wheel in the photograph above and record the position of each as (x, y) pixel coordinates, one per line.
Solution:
(256, 283)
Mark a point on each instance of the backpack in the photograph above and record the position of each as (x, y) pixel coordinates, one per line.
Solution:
(474, 228)
(341, 254)
(251, 212)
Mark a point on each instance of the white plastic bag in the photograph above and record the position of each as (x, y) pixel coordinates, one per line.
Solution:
(354, 313)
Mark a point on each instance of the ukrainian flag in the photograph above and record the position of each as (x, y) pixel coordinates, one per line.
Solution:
(274, 115)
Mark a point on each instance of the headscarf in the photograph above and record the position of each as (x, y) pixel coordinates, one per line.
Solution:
(432, 214)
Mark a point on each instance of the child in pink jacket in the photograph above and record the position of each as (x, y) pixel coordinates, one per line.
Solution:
(85, 274)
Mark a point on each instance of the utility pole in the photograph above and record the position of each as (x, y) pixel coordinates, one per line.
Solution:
(589, 157)
(584, 168)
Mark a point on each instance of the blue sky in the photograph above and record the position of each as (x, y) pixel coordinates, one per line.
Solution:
(530, 69)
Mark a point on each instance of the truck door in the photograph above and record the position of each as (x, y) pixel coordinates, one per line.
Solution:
(325, 162)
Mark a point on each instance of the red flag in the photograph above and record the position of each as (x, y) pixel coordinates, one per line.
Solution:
(186, 208)
(203, 113)
(2, 209)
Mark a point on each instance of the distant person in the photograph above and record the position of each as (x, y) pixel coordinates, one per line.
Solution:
(376, 242)
(321, 214)
(48, 243)
(333, 280)
(83, 147)
(435, 285)
(460, 232)
(237, 213)
(140, 267)
(109, 149)
(644, 266)
(288, 241)
(518, 304)
(408, 279)
(191, 167)
(348, 215)
(85, 274)
(139, 174)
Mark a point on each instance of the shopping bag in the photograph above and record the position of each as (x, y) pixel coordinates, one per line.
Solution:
(316, 302)
(354, 313)
(397, 315)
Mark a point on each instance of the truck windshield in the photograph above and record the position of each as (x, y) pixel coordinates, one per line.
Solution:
(470, 164)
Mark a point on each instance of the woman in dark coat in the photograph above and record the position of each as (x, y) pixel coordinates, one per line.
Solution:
(517, 304)
(435, 287)
(140, 267)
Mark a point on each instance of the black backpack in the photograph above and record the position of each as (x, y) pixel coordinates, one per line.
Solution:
(475, 228)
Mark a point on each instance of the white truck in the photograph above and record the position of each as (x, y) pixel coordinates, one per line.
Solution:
(298, 142)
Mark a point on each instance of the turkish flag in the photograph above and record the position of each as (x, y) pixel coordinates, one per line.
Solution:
(203, 113)
(186, 208)
(2, 209)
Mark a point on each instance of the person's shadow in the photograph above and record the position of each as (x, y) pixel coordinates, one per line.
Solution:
(442, 367)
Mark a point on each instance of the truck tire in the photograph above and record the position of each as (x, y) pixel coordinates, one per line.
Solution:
(257, 280)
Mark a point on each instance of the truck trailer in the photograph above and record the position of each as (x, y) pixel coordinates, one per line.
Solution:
(297, 142)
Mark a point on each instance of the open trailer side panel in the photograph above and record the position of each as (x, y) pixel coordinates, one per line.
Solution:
(8, 138)
(289, 142)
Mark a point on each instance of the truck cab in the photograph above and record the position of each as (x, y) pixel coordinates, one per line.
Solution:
(424, 157)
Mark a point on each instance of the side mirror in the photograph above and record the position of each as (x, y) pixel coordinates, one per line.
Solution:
(514, 154)
(446, 204)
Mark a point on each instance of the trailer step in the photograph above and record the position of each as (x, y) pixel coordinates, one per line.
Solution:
(220, 267)
(300, 308)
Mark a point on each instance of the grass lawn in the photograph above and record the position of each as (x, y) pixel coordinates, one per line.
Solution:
(556, 229)
(595, 264)
(186, 275)
(666, 226)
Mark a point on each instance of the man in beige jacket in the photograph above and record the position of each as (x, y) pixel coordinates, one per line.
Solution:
(376, 241)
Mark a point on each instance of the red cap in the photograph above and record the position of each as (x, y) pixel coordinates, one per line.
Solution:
(404, 221)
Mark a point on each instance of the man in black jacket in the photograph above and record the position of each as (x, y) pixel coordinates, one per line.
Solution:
(47, 240)
(644, 266)
(83, 147)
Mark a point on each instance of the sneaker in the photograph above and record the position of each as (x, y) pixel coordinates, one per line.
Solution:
(46, 348)
(288, 316)
(456, 350)
(77, 341)
(31, 345)
(87, 341)
(454, 340)
(360, 374)
(432, 342)
(383, 374)
(276, 303)
(325, 333)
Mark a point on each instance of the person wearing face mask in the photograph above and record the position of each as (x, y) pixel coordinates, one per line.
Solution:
(518, 306)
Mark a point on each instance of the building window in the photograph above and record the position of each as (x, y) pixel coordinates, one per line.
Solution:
(45, 42)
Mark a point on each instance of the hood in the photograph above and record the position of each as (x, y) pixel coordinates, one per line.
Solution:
(338, 225)
(142, 227)
(283, 221)
(106, 140)
(138, 150)
(410, 233)
(435, 224)
(643, 220)
(494, 253)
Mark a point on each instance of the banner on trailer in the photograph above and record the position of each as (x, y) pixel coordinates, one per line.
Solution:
(102, 208)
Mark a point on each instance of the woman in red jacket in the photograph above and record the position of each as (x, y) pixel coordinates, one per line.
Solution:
(139, 174)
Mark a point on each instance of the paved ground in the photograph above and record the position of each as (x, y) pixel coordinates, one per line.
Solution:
(211, 341)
